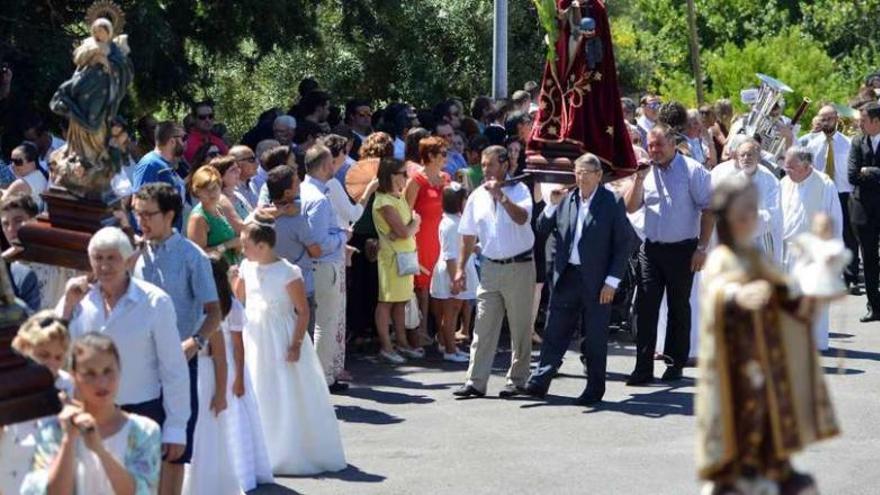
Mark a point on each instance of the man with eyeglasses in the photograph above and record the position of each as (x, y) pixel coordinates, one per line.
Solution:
(202, 131)
(160, 164)
(498, 214)
(181, 269)
(593, 239)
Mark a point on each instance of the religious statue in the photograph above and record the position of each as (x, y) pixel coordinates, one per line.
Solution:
(90, 100)
(821, 258)
(579, 104)
(761, 395)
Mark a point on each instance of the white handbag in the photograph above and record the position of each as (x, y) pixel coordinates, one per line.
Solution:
(413, 317)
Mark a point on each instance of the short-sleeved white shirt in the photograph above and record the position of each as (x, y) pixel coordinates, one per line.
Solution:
(500, 237)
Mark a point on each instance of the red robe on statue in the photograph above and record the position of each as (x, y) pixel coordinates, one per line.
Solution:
(579, 107)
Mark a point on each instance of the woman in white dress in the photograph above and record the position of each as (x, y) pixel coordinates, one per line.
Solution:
(211, 470)
(243, 432)
(299, 423)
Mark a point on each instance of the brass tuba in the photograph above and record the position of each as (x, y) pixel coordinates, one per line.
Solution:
(759, 123)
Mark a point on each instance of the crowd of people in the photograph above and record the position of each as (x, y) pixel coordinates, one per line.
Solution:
(201, 351)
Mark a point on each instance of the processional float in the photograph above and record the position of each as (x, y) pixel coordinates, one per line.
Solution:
(80, 200)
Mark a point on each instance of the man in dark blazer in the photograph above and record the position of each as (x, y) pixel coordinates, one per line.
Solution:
(593, 242)
(863, 169)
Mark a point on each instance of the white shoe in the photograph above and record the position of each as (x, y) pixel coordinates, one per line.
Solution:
(455, 357)
(392, 357)
(416, 353)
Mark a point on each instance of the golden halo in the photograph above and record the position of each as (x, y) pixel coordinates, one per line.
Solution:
(109, 11)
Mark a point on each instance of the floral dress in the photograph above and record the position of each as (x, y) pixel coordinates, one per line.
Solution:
(138, 444)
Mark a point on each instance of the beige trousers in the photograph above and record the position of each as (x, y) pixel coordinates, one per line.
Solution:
(330, 316)
(504, 289)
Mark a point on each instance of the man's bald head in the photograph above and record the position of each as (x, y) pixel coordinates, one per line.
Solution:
(828, 117)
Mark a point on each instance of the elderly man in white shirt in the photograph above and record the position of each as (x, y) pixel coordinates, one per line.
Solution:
(768, 234)
(140, 319)
(498, 216)
(805, 193)
(830, 150)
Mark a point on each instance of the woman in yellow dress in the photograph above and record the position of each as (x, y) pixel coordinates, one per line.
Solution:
(397, 226)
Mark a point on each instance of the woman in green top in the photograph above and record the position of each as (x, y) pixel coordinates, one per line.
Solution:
(209, 226)
(397, 225)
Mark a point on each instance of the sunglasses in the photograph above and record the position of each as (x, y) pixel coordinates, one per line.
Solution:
(206, 116)
(17, 161)
(49, 320)
(247, 159)
(213, 154)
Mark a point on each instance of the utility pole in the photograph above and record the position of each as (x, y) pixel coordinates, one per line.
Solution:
(695, 51)
(499, 51)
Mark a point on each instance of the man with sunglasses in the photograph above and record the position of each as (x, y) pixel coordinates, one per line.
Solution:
(247, 162)
(650, 107)
(160, 164)
(498, 214)
(202, 131)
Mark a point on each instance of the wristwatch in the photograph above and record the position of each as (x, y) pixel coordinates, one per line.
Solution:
(701, 248)
(200, 341)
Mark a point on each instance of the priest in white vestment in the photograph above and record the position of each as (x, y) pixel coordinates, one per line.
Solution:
(806, 192)
(768, 234)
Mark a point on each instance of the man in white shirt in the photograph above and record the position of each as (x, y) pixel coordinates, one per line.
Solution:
(498, 216)
(830, 151)
(142, 323)
(805, 193)
(768, 234)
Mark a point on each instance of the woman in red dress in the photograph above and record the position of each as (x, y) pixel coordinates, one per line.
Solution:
(424, 193)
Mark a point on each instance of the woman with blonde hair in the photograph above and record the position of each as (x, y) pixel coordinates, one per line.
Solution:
(208, 226)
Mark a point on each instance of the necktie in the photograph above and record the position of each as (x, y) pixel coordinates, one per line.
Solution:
(829, 159)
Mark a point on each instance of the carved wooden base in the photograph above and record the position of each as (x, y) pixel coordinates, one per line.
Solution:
(61, 237)
(552, 162)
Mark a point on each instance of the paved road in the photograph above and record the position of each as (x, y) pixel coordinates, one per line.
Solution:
(405, 434)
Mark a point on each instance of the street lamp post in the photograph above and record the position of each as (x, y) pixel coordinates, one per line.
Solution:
(499, 51)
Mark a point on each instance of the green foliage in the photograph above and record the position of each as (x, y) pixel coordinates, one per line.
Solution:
(821, 48)
(547, 16)
(790, 56)
(249, 55)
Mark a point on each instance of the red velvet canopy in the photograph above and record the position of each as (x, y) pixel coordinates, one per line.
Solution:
(579, 108)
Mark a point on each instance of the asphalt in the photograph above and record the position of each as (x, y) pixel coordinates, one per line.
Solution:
(404, 433)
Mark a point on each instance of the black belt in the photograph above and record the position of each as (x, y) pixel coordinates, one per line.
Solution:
(519, 258)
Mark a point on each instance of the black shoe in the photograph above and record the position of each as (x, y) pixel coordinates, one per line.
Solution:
(337, 387)
(869, 316)
(510, 390)
(672, 374)
(588, 399)
(535, 391)
(637, 379)
(855, 290)
(467, 391)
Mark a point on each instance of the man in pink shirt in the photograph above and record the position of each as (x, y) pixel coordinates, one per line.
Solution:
(203, 112)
